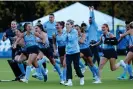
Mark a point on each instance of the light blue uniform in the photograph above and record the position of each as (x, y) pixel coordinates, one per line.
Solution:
(130, 40)
(106, 46)
(31, 47)
(127, 40)
(30, 40)
(61, 39)
(92, 29)
(50, 28)
(42, 45)
(85, 44)
(61, 43)
(72, 45)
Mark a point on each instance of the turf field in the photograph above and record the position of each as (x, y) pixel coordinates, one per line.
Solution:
(108, 78)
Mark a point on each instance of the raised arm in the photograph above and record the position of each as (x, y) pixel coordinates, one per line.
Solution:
(92, 13)
(93, 17)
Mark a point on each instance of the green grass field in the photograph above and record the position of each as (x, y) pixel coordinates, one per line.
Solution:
(109, 80)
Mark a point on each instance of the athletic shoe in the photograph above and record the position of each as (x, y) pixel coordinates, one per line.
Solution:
(131, 78)
(62, 82)
(40, 77)
(24, 80)
(34, 75)
(97, 81)
(68, 84)
(82, 81)
(45, 78)
(121, 78)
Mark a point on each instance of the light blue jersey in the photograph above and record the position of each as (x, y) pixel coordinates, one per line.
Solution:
(106, 46)
(50, 28)
(127, 38)
(130, 38)
(42, 45)
(72, 45)
(30, 40)
(92, 29)
(85, 44)
(61, 39)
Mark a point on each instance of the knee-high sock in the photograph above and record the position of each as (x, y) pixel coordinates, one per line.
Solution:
(81, 64)
(93, 72)
(59, 71)
(124, 72)
(42, 69)
(21, 67)
(57, 61)
(38, 70)
(28, 70)
(95, 69)
(129, 68)
(64, 74)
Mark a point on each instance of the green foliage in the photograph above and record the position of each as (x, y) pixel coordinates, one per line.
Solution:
(44, 8)
(29, 11)
(122, 9)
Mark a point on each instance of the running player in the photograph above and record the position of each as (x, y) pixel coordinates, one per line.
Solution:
(129, 56)
(31, 47)
(46, 50)
(60, 43)
(85, 51)
(109, 52)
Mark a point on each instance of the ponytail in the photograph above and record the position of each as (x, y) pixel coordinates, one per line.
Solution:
(106, 26)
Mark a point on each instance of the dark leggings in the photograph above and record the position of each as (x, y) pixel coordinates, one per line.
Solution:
(75, 58)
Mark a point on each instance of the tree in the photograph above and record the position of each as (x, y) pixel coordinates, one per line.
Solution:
(122, 9)
(31, 10)
(19, 11)
(27, 11)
